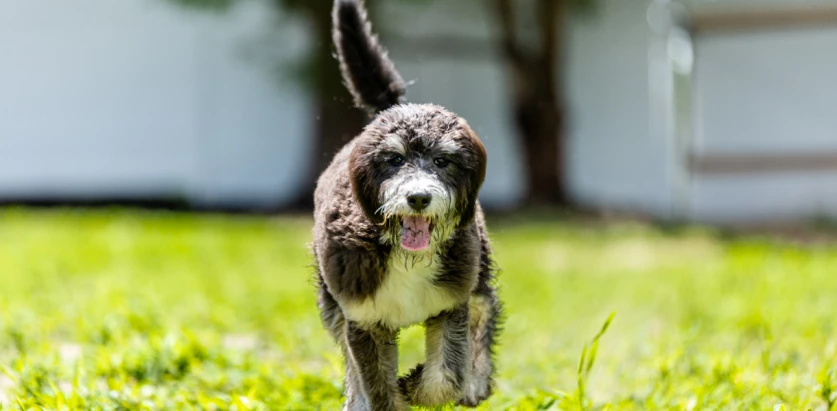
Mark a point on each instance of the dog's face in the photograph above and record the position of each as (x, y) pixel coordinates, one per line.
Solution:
(417, 169)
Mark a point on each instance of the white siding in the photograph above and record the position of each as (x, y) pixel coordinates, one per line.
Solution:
(617, 154)
(135, 97)
(767, 93)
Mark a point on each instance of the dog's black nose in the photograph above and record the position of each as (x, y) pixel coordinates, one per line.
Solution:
(419, 201)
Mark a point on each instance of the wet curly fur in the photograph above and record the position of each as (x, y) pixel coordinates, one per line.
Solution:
(370, 285)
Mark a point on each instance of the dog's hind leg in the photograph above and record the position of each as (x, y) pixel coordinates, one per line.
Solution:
(484, 326)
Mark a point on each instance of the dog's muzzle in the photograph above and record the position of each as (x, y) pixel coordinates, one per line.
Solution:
(418, 202)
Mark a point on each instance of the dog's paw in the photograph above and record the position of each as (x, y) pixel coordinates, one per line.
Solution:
(428, 387)
(409, 384)
(360, 403)
(476, 391)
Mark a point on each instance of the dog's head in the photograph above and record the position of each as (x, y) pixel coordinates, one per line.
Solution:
(417, 170)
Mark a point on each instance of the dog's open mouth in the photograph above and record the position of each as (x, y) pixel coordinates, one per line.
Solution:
(415, 232)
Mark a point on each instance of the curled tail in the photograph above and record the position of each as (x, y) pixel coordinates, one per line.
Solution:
(367, 71)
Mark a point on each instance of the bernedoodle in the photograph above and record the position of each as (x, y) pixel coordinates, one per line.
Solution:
(400, 239)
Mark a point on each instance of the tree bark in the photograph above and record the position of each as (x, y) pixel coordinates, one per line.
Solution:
(539, 122)
(336, 120)
(536, 99)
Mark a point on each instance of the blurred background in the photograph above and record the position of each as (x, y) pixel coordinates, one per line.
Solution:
(702, 110)
(708, 113)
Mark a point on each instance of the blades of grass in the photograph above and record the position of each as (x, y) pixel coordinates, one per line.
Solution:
(605, 326)
(253, 392)
(588, 358)
(581, 379)
(827, 390)
(591, 357)
(7, 371)
(548, 404)
(552, 394)
(58, 396)
(582, 360)
(75, 399)
(239, 402)
(594, 346)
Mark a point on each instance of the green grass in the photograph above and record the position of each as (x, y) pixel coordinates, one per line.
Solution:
(140, 310)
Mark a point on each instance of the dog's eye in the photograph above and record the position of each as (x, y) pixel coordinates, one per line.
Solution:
(397, 160)
(441, 162)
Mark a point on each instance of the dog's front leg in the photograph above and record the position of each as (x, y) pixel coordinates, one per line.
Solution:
(373, 354)
(442, 377)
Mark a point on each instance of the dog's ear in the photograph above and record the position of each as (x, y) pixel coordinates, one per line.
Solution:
(478, 161)
(365, 184)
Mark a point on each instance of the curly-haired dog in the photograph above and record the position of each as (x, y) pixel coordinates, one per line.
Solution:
(400, 239)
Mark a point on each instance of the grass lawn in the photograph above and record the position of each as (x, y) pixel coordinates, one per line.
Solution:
(141, 310)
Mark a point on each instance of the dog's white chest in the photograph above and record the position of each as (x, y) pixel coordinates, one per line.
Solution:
(407, 296)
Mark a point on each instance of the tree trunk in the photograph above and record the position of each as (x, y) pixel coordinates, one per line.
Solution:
(540, 126)
(336, 120)
(536, 99)
(335, 125)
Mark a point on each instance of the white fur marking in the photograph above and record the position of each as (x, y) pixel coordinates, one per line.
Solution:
(395, 143)
(478, 308)
(449, 146)
(436, 387)
(395, 192)
(406, 297)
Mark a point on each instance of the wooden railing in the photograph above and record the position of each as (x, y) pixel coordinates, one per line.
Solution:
(764, 163)
(710, 21)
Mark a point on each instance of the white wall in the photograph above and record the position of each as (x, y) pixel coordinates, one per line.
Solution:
(618, 155)
(64, 97)
(133, 97)
(760, 92)
(766, 93)
(136, 97)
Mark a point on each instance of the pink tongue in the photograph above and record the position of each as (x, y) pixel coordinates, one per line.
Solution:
(416, 234)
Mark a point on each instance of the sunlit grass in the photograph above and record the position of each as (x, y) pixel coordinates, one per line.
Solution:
(141, 310)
